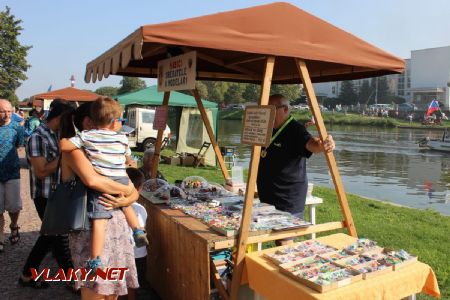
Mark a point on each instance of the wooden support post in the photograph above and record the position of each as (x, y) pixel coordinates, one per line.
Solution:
(249, 193)
(158, 144)
(314, 106)
(211, 135)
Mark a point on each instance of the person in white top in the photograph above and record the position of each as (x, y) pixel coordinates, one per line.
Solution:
(140, 253)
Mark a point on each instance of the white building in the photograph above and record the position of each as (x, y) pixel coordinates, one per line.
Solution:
(426, 77)
(430, 76)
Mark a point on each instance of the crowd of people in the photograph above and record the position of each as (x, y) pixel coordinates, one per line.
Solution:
(62, 147)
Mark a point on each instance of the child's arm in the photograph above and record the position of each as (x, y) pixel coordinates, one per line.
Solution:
(130, 162)
(66, 145)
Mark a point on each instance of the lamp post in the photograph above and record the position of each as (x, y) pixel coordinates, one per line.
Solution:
(72, 81)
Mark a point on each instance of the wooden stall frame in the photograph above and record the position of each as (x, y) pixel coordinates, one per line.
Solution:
(158, 143)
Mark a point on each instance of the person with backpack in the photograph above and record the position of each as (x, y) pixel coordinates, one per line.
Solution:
(32, 122)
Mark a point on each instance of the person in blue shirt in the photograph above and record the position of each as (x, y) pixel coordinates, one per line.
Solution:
(16, 117)
(11, 137)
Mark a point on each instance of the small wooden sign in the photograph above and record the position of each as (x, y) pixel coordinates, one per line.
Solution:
(160, 120)
(258, 125)
(177, 73)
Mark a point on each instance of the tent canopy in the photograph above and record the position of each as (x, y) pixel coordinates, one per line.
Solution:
(151, 96)
(68, 94)
(233, 45)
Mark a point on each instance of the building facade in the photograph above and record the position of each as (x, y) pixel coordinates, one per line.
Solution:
(426, 77)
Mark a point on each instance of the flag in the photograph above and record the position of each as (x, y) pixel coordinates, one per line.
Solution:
(49, 88)
(434, 106)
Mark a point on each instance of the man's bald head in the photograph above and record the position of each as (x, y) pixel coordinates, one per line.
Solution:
(278, 99)
(6, 111)
(5, 104)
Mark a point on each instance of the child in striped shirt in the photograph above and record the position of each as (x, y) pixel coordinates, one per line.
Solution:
(109, 153)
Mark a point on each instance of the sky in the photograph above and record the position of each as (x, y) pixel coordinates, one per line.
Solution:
(66, 35)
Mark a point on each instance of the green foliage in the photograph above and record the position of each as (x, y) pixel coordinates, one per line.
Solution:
(13, 62)
(131, 84)
(365, 92)
(251, 92)
(234, 93)
(347, 94)
(290, 91)
(202, 89)
(382, 92)
(109, 91)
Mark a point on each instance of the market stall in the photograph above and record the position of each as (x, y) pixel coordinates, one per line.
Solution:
(288, 46)
(68, 94)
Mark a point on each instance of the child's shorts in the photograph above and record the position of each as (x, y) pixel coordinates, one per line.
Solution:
(95, 210)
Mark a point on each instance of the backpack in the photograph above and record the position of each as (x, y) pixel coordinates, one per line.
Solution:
(27, 128)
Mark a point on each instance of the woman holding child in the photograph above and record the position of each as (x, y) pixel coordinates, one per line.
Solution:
(116, 246)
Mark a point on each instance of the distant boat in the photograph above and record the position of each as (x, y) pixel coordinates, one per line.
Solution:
(442, 144)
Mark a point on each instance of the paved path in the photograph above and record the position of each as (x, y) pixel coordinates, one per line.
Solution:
(13, 259)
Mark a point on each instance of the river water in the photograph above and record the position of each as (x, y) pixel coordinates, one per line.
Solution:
(380, 163)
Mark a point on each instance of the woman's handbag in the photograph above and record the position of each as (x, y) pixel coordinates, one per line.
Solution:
(66, 209)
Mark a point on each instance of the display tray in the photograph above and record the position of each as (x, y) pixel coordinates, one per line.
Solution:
(363, 250)
(322, 288)
(384, 256)
(225, 232)
(335, 255)
(295, 252)
(370, 272)
(149, 196)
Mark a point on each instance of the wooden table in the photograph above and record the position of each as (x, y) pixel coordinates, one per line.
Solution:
(178, 262)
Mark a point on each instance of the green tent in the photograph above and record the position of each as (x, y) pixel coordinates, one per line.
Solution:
(151, 97)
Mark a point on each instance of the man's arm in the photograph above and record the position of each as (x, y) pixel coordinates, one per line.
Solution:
(42, 168)
(315, 145)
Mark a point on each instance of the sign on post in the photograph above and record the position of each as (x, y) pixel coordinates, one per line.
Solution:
(160, 120)
(258, 125)
(177, 73)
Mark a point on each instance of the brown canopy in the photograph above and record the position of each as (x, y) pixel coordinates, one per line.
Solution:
(232, 46)
(68, 94)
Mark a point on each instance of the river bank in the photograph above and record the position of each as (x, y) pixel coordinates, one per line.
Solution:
(421, 232)
(343, 119)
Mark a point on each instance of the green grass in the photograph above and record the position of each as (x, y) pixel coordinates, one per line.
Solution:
(424, 233)
(340, 119)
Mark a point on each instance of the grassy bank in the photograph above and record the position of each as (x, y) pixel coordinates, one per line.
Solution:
(424, 233)
(341, 119)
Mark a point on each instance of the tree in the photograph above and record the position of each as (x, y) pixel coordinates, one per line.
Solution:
(290, 91)
(234, 94)
(365, 92)
(131, 84)
(110, 91)
(347, 94)
(381, 90)
(251, 92)
(202, 89)
(13, 62)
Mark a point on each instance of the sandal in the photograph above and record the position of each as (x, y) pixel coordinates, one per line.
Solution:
(39, 284)
(14, 238)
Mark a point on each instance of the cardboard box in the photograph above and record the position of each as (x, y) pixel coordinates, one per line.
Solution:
(173, 160)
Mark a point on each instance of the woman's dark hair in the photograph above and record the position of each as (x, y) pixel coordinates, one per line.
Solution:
(66, 129)
(136, 177)
(74, 117)
(81, 112)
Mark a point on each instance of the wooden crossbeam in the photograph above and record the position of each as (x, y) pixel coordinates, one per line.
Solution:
(221, 63)
(250, 190)
(273, 236)
(314, 107)
(243, 60)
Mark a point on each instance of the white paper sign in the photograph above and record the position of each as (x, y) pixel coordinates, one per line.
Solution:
(258, 125)
(177, 73)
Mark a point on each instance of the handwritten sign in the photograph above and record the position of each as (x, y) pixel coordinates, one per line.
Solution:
(160, 120)
(177, 73)
(258, 125)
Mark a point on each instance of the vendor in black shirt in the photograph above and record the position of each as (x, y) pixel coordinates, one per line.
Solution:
(282, 179)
